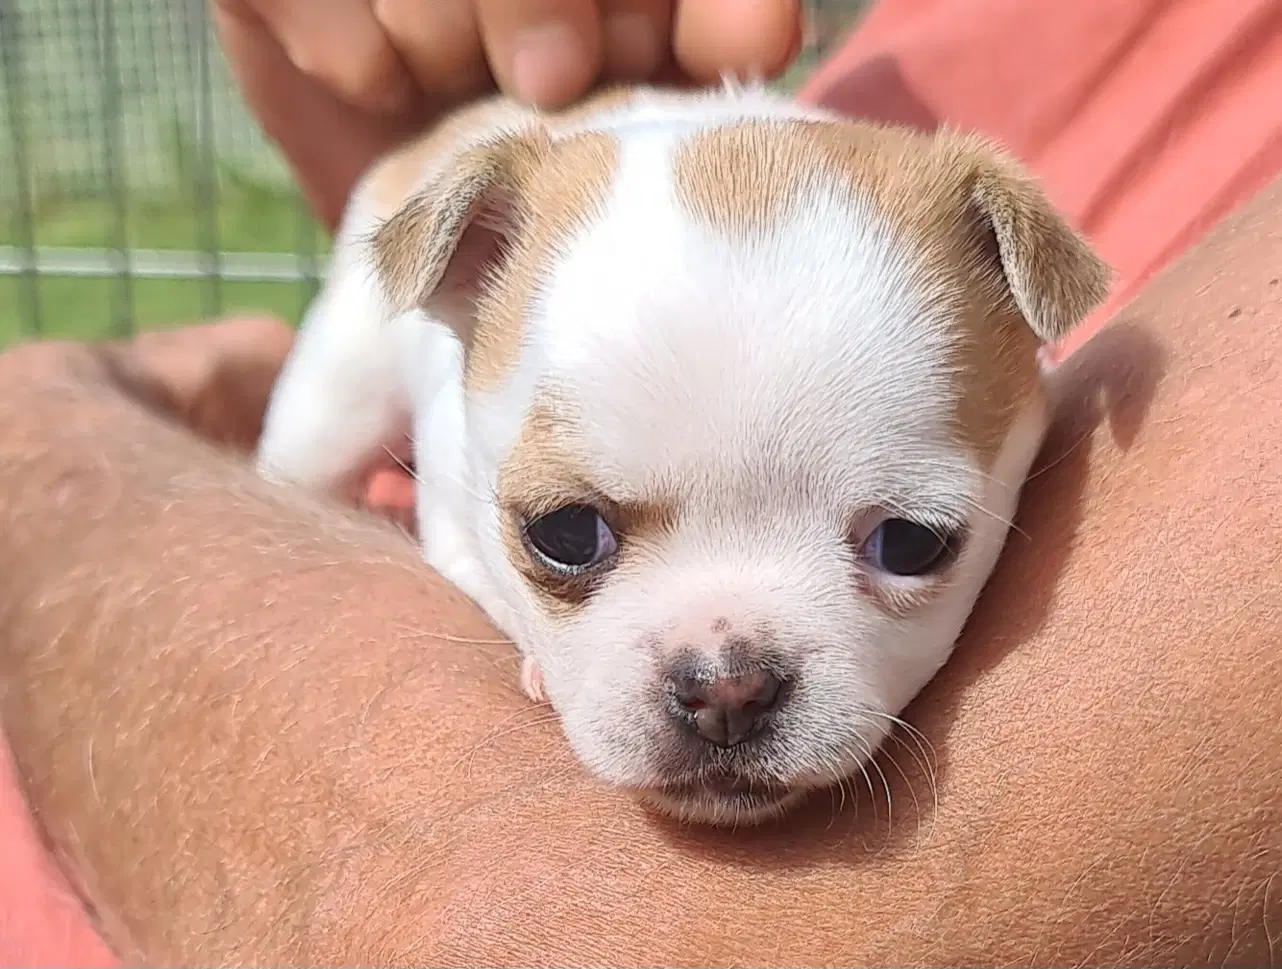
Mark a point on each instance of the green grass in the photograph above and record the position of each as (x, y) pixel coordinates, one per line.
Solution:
(249, 219)
(64, 102)
(83, 308)
(68, 118)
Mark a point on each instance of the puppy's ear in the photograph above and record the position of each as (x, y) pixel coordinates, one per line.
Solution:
(437, 251)
(1053, 274)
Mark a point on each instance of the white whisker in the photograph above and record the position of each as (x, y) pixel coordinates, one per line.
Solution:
(922, 752)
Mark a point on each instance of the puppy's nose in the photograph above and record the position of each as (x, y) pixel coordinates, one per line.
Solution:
(729, 709)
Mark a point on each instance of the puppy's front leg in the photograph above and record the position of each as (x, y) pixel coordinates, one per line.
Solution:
(340, 399)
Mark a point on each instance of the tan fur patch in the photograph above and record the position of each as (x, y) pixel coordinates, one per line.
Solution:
(569, 187)
(920, 184)
(946, 194)
(523, 193)
(400, 173)
(728, 177)
(396, 176)
(443, 226)
(542, 474)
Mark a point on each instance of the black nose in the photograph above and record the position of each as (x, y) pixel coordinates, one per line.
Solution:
(726, 710)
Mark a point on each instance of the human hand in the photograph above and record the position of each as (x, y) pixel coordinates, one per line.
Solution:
(213, 378)
(337, 82)
(216, 379)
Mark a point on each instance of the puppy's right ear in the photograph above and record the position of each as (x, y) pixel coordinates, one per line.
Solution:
(1052, 273)
(437, 250)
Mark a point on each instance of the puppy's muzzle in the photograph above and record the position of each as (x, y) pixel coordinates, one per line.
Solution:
(721, 712)
(725, 710)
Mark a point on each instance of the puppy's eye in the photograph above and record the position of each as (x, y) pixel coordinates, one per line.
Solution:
(573, 538)
(905, 548)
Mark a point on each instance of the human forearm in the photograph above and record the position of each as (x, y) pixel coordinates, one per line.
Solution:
(203, 650)
(1106, 739)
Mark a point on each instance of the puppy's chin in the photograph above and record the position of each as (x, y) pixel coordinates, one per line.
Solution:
(733, 804)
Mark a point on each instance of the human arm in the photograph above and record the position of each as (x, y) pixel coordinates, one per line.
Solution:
(264, 735)
(181, 607)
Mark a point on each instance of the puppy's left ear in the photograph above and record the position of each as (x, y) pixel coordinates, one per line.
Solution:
(440, 248)
(1053, 274)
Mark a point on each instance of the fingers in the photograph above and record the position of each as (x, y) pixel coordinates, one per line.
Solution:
(544, 51)
(327, 140)
(335, 83)
(382, 55)
(341, 44)
(551, 51)
(174, 354)
(636, 36)
(745, 38)
(439, 41)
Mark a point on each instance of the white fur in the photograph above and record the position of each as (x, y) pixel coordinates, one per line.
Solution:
(777, 388)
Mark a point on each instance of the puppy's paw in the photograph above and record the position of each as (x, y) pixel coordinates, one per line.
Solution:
(1047, 359)
(532, 681)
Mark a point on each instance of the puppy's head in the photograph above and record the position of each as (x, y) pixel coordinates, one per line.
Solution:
(750, 401)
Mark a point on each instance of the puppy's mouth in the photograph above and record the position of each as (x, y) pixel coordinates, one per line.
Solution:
(721, 799)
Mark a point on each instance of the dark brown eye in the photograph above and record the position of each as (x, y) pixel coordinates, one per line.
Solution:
(901, 547)
(571, 539)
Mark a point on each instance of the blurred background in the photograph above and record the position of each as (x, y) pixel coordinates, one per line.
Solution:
(135, 191)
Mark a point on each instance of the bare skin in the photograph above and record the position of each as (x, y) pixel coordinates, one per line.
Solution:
(336, 83)
(259, 732)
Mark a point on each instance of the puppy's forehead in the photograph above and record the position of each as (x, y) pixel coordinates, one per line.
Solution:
(784, 287)
(745, 181)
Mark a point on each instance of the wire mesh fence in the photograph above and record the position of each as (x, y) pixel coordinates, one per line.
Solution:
(135, 189)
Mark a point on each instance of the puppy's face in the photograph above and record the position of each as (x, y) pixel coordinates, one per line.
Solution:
(749, 406)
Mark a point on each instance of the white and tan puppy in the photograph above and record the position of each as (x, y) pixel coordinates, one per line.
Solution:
(721, 407)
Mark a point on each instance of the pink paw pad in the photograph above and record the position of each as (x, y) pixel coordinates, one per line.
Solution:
(532, 681)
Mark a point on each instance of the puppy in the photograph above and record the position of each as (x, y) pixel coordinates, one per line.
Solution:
(720, 408)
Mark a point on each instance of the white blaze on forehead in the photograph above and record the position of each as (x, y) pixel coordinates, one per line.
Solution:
(687, 349)
(672, 110)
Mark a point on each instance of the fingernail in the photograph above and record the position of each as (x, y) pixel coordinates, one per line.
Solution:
(550, 65)
(632, 47)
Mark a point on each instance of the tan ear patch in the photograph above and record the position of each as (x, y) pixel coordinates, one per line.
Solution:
(491, 218)
(922, 185)
(400, 174)
(1054, 276)
(568, 190)
(413, 249)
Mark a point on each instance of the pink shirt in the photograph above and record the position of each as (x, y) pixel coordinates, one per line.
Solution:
(1147, 120)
